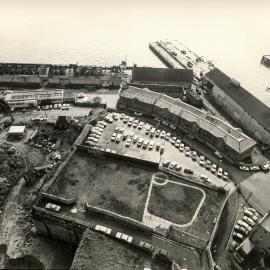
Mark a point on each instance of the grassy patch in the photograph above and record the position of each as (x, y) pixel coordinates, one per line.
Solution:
(173, 202)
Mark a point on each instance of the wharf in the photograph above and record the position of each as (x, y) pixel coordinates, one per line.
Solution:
(180, 56)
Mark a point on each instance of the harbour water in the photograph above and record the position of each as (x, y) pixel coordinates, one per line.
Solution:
(233, 34)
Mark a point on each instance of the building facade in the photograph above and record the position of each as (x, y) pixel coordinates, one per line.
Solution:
(250, 113)
(218, 135)
(28, 99)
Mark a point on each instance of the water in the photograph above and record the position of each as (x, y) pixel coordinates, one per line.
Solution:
(234, 34)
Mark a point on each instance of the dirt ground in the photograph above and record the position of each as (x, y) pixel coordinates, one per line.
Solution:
(17, 232)
(173, 202)
(99, 252)
(104, 182)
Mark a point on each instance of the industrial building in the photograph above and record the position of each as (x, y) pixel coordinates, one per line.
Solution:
(172, 81)
(250, 113)
(28, 99)
(217, 134)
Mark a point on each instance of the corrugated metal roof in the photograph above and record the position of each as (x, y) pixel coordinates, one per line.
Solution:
(254, 107)
(149, 74)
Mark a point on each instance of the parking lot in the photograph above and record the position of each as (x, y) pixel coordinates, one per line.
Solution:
(136, 138)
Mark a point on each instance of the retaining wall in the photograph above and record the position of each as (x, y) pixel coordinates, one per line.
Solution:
(123, 219)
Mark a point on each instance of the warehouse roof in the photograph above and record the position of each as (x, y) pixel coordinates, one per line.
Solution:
(149, 74)
(254, 107)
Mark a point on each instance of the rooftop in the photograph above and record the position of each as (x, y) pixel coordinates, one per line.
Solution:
(255, 108)
(16, 129)
(234, 137)
(169, 75)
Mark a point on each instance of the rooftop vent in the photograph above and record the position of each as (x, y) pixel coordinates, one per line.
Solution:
(235, 82)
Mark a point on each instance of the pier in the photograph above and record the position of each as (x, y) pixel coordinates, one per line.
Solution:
(177, 55)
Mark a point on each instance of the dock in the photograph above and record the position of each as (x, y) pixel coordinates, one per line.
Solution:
(176, 55)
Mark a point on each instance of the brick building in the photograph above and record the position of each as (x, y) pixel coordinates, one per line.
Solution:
(218, 135)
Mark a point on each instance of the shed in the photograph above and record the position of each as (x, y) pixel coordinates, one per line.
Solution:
(17, 131)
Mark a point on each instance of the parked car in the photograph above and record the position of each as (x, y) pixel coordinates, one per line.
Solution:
(173, 165)
(208, 165)
(151, 145)
(244, 168)
(188, 171)
(118, 138)
(103, 229)
(135, 138)
(161, 148)
(187, 151)
(128, 142)
(182, 147)
(214, 168)
(238, 236)
(157, 134)
(146, 246)
(140, 142)
(225, 176)
(202, 161)
(157, 146)
(232, 246)
(166, 163)
(220, 172)
(251, 215)
(177, 143)
(168, 135)
(162, 134)
(178, 167)
(244, 224)
(241, 229)
(148, 128)
(53, 207)
(125, 135)
(145, 144)
(254, 168)
(266, 166)
(249, 221)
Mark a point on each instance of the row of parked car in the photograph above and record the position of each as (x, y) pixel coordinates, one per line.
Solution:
(244, 226)
(95, 133)
(129, 239)
(55, 107)
(129, 138)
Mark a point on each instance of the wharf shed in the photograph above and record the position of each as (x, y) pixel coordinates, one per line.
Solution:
(250, 113)
(217, 134)
(172, 81)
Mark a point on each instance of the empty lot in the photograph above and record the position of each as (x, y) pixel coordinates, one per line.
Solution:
(116, 185)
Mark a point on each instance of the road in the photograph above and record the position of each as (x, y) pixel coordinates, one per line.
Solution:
(179, 253)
